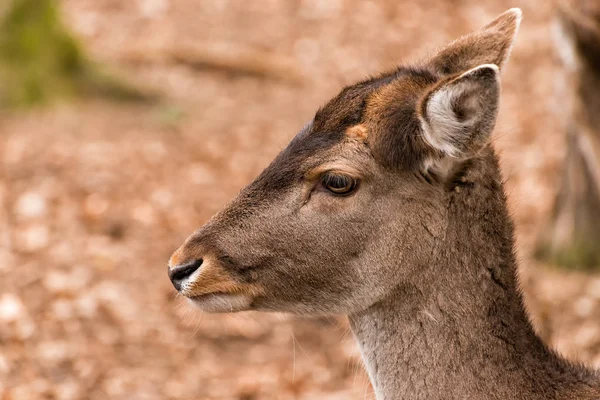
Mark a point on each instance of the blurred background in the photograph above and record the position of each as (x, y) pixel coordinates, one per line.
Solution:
(124, 125)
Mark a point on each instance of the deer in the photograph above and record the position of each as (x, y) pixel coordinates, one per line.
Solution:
(389, 208)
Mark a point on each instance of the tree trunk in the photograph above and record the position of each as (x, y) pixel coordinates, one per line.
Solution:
(40, 60)
(572, 238)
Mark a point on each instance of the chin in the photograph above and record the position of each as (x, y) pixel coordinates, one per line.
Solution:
(221, 302)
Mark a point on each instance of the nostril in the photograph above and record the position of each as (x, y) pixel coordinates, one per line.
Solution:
(180, 273)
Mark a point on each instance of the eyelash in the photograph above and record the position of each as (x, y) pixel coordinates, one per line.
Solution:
(338, 184)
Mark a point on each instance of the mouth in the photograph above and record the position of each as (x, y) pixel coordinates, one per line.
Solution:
(221, 302)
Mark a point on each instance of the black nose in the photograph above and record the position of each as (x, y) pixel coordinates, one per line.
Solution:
(179, 273)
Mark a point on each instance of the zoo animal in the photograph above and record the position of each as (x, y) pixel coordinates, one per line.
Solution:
(389, 207)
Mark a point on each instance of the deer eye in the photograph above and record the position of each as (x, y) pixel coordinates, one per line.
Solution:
(338, 184)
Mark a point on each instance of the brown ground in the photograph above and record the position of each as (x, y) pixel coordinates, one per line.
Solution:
(95, 196)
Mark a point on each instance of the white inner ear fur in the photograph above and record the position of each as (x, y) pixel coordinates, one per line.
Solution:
(442, 128)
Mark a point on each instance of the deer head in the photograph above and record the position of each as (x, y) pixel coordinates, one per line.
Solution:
(357, 201)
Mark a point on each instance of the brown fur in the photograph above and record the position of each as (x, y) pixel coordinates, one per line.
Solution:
(420, 256)
(491, 45)
(358, 132)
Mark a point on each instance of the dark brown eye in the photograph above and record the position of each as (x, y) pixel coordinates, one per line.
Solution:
(339, 184)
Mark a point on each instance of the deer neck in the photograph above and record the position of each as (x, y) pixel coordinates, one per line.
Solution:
(460, 329)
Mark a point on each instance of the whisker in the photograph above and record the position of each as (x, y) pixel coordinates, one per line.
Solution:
(294, 357)
(199, 324)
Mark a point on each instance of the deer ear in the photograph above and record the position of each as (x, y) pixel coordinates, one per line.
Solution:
(490, 45)
(458, 115)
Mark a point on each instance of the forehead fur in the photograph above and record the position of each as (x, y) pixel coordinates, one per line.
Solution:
(392, 120)
(385, 106)
(385, 109)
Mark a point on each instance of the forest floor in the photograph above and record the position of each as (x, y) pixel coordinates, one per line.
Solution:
(95, 196)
